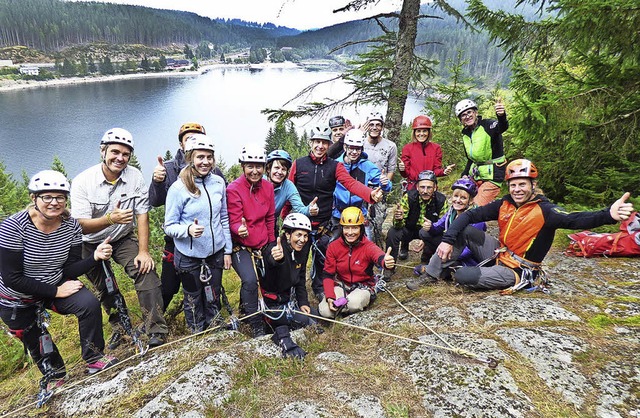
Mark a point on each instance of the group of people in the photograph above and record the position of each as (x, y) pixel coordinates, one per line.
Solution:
(332, 203)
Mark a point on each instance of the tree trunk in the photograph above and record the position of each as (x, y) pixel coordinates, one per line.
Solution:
(407, 33)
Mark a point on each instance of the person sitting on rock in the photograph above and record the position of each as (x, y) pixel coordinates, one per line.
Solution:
(527, 223)
(349, 284)
(418, 209)
(283, 286)
(464, 190)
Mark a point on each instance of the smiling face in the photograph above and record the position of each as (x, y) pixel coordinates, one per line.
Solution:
(253, 172)
(469, 118)
(337, 133)
(426, 189)
(460, 200)
(116, 158)
(422, 135)
(278, 172)
(50, 204)
(351, 154)
(521, 190)
(319, 147)
(351, 233)
(297, 239)
(202, 161)
(375, 129)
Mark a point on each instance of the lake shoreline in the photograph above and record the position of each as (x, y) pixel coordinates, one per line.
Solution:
(13, 85)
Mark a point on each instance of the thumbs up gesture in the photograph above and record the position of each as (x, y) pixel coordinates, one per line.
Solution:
(276, 252)
(426, 224)
(398, 213)
(103, 250)
(243, 231)
(376, 194)
(313, 207)
(401, 165)
(121, 216)
(499, 106)
(621, 210)
(160, 171)
(384, 180)
(449, 169)
(195, 230)
(389, 261)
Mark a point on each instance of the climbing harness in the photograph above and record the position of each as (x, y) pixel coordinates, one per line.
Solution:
(123, 313)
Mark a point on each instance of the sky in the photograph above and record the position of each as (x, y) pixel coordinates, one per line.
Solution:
(298, 14)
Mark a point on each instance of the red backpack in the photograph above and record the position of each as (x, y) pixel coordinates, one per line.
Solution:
(625, 243)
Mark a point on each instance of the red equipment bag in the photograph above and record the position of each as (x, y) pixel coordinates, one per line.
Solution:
(625, 243)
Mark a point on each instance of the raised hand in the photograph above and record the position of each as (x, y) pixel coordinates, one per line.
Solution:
(104, 250)
(499, 106)
(384, 180)
(160, 171)
(313, 207)
(376, 194)
(389, 261)
(621, 209)
(243, 231)
(401, 165)
(426, 225)
(195, 230)
(449, 169)
(121, 216)
(276, 252)
(398, 213)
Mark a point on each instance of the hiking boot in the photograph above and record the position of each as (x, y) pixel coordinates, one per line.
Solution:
(388, 274)
(157, 339)
(403, 254)
(257, 329)
(423, 280)
(55, 383)
(115, 340)
(103, 363)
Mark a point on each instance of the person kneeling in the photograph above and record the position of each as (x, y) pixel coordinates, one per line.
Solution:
(348, 280)
(283, 284)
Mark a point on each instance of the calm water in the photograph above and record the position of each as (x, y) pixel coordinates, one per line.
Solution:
(68, 121)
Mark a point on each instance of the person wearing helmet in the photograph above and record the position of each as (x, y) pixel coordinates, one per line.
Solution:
(315, 177)
(464, 190)
(40, 260)
(164, 175)
(349, 285)
(421, 153)
(196, 218)
(384, 154)
(417, 210)
(284, 282)
(110, 200)
(339, 127)
(484, 148)
(278, 166)
(251, 206)
(527, 223)
(361, 169)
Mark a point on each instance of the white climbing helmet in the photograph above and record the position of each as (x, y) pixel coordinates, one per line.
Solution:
(297, 221)
(48, 181)
(354, 138)
(200, 142)
(463, 105)
(252, 153)
(117, 136)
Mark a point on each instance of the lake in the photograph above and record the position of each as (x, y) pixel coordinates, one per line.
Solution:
(69, 121)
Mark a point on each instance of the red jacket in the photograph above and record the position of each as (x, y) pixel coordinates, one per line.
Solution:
(418, 157)
(350, 264)
(257, 206)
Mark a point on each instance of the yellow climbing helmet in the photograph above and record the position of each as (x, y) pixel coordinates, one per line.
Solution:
(352, 216)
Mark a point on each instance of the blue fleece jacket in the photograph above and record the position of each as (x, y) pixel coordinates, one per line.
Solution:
(287, 191)
(210, 208)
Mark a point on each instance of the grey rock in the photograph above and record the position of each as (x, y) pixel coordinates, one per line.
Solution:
(365, 406)
(303, 410)
(618, 386)
(550, 354)
(496, 309)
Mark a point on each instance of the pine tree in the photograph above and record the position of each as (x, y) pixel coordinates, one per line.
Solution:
(133, 162)
(167, 156)
(59, 166)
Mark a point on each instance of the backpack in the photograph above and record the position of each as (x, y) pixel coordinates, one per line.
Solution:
(625, 243)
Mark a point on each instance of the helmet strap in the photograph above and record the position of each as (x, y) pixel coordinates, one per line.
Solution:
(35, 205)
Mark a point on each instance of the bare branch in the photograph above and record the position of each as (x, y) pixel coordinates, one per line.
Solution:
(429, 43)
(346, 44)
(311, 87)
(616, 119)
(382, 26)
(430, 17)
(381, 15)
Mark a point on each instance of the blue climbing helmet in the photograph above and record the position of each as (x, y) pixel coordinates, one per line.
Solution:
(467, 185)
(280, 154)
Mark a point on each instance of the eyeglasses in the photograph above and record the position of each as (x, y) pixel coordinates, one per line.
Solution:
(467, 114)
(354, 149)
(48, 198)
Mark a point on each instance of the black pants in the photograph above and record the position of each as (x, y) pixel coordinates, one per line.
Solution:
(83, 304)
(243, 264)
(169, 278)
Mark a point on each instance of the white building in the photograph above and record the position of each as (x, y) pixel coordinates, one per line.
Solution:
(29, 70)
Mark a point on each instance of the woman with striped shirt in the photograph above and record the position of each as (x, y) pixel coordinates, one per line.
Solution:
(40, 259)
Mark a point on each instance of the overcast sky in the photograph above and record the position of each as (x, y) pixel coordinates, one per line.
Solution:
(299, 14)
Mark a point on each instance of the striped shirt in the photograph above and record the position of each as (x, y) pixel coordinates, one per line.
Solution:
(92, 196)
(44, 255)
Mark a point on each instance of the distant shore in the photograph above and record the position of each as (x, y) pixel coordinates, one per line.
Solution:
(12, 85)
